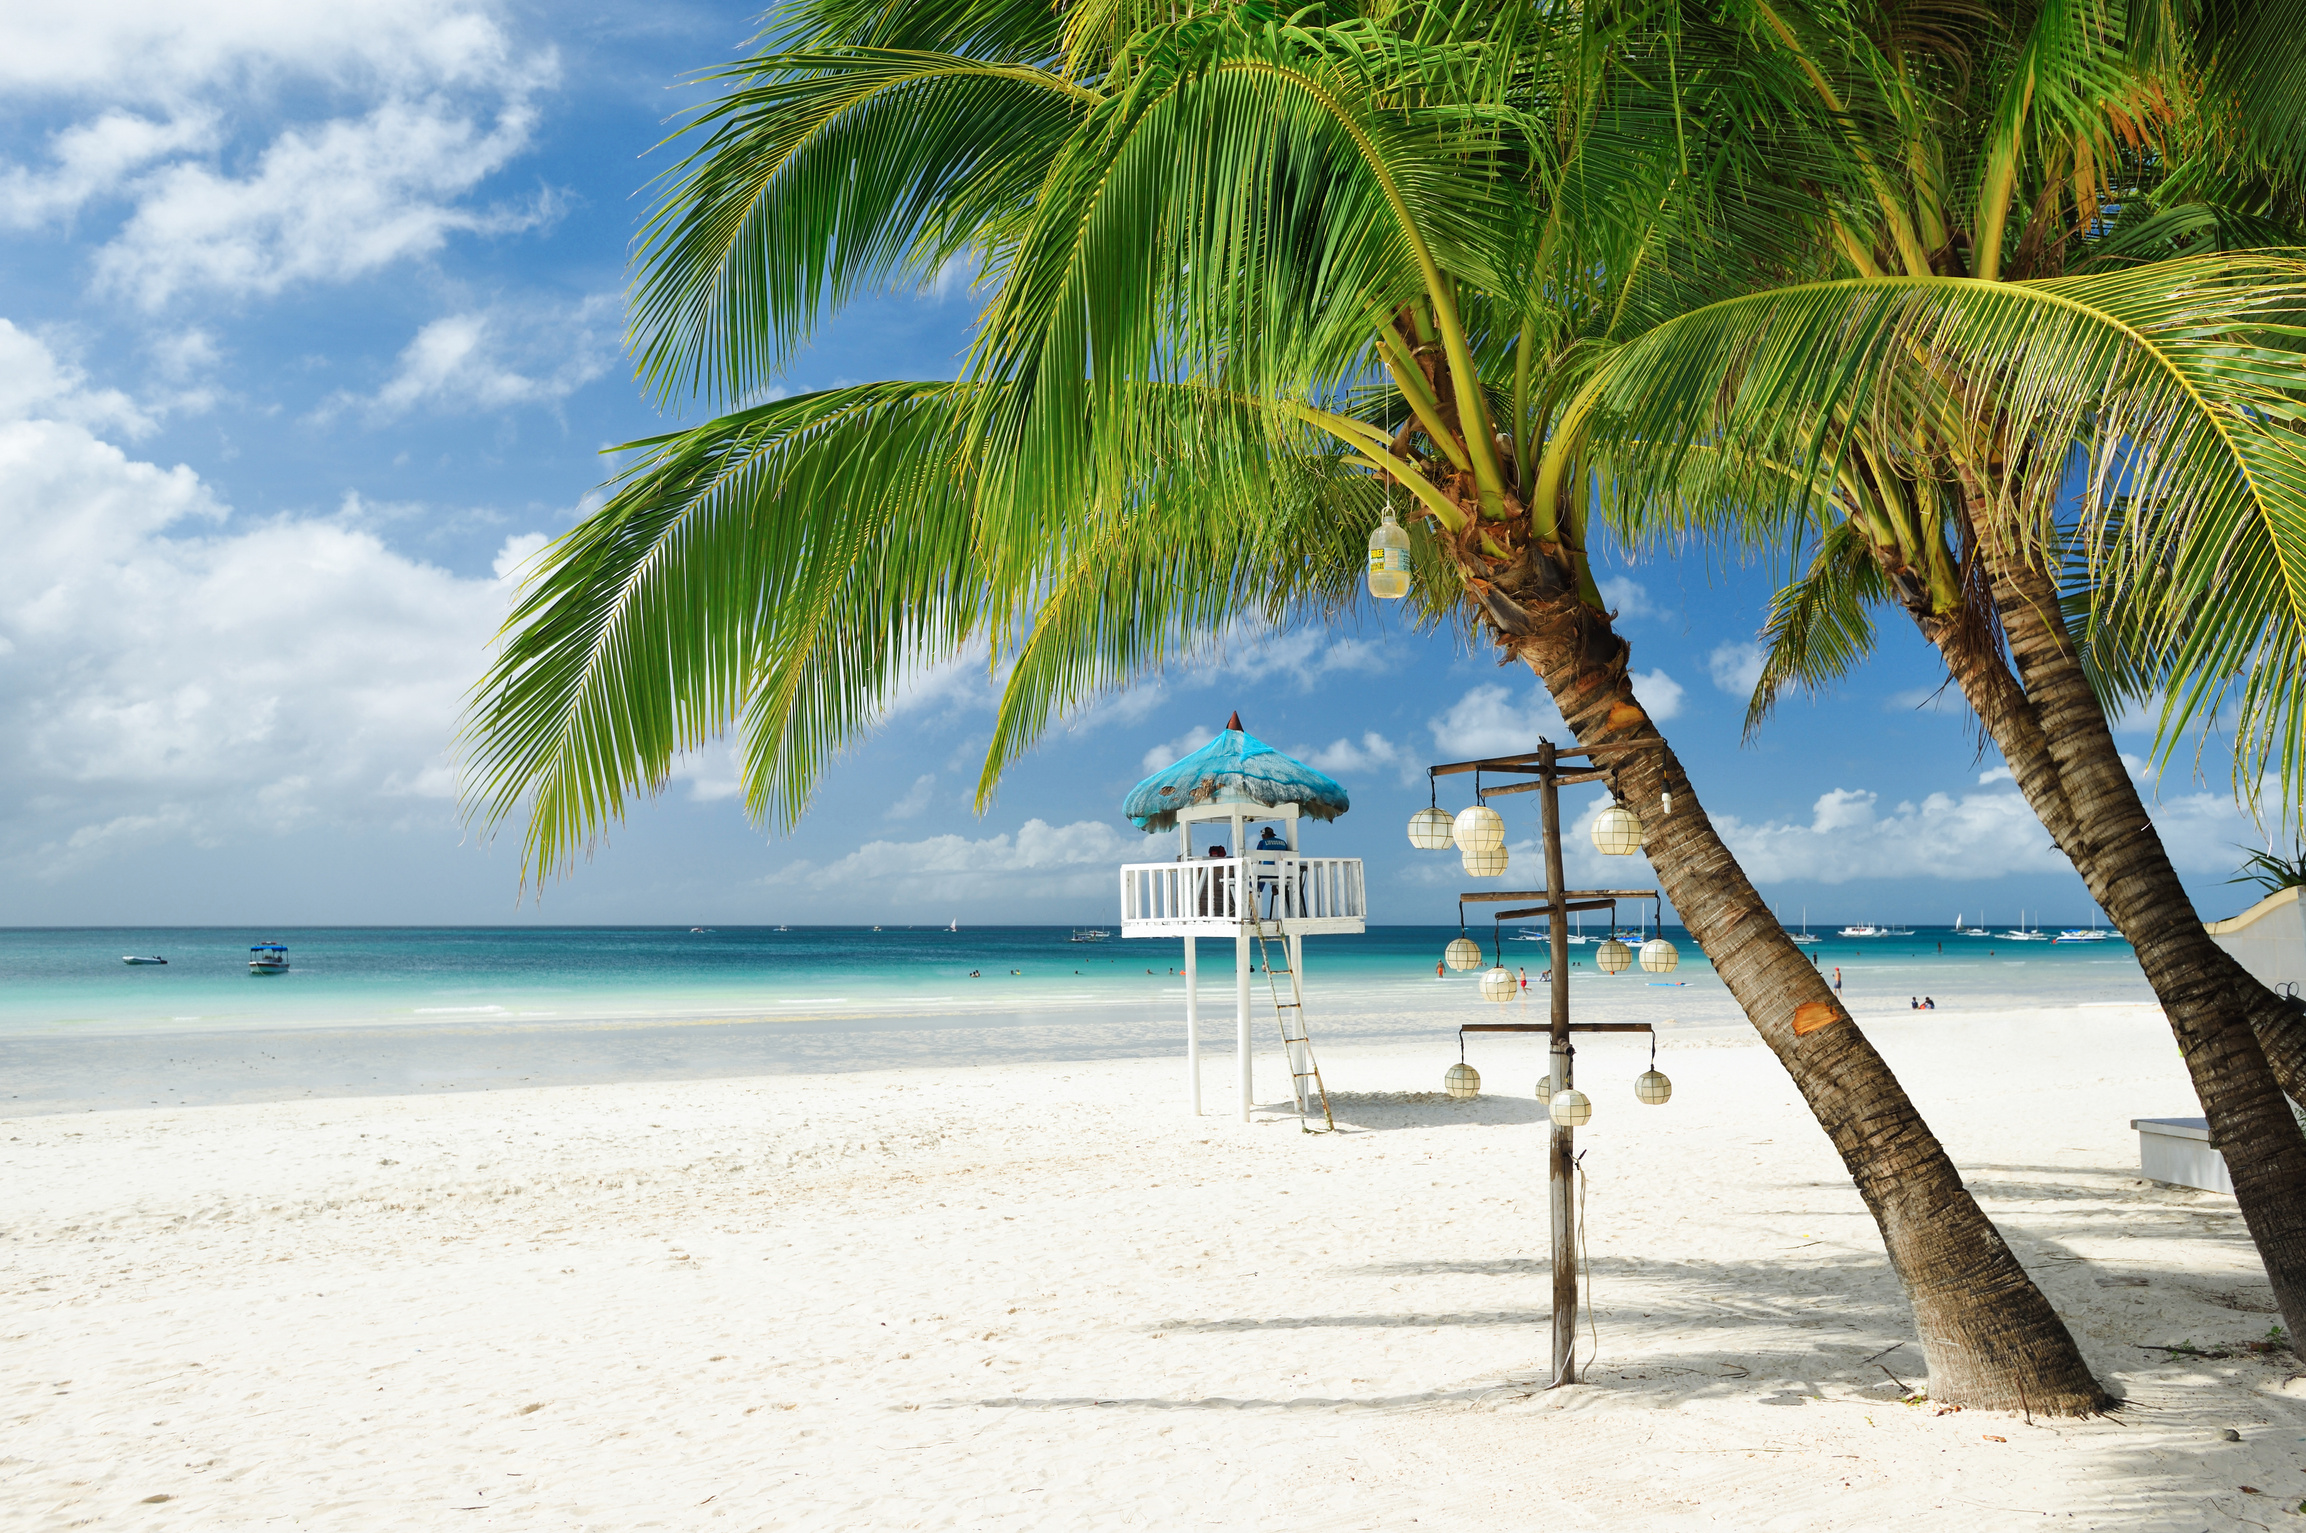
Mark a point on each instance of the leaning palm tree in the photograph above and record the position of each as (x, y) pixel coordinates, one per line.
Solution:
(1997, 343)
(1250, 278)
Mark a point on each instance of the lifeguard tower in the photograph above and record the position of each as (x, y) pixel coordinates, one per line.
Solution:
(1233, 786)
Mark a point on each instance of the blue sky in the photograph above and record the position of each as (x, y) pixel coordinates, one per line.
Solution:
(312, 322)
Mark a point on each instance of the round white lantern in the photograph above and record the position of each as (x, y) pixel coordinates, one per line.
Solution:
(1612, 956)
(1429, 829)
(1462, 953)
(1570, 1108)
(1545, 1088)
(1478, 827)
(1499, 985)
(1462, 1081)
(1660, 956)
(1651, 1088)
(1483, 862)
(1616, 831)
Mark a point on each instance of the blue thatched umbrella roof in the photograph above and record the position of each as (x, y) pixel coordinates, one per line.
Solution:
(1238, 761)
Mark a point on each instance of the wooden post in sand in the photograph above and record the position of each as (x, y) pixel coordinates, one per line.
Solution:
(1241, 1013)
(1562, 1159)
(1544, 765)
(1193, 1024)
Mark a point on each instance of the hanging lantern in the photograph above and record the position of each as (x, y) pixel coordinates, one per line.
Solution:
(1483, 862)
(1462, 1081)
(1651, 1088)
(1570, 1109)
(1478, 828)
(1462, 953)
(1429, 829)
(1660, 956)
(1499, 985)
(1545, 1088)
(1617, 831)
(1612, 957)
(1389, 559)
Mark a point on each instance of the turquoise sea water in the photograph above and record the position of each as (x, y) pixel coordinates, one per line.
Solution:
(411, 1010)
(61, 983)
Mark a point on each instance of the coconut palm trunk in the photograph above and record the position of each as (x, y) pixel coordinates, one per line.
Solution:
(2052, 730)
(1991, 1339)
(1247, 279)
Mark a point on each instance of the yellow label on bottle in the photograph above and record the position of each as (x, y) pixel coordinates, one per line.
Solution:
(1395, 560)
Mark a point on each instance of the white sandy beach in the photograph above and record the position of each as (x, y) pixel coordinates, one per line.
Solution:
(1041, 1296)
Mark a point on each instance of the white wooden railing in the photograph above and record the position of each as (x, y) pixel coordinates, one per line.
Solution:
(1206, 895)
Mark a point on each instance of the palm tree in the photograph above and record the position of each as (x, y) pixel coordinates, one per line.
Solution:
(2002, 341)
(1249, 278)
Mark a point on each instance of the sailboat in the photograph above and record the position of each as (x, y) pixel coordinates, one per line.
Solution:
(1969, 931)
(954, 925)
(1803, 936)
(2025, 933)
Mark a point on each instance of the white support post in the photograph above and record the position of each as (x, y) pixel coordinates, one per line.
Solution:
(1193, 1023)
(1241, 1014)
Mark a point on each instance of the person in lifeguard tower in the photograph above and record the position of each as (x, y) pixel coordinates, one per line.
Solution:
(1271, 841)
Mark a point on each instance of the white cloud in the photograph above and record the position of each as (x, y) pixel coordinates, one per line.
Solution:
(493, 360)
(1736, 668)
(1998, 774)
(987, 875)
(1490, 720)
(92, 158)
(325, 203)
(35, 382)
(915, 800)
(176, 672)
(1175, 750)
(1625, 597)
(1368, 754)
(1978, 835)
(136, 50)
(512, 559)
(1659, 694)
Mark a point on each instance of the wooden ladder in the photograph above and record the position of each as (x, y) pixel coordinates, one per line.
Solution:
(1304, 1074)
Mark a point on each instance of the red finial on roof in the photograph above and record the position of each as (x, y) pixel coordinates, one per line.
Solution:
(1235, 721)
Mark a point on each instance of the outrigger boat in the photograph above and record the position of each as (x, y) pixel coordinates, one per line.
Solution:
(268, 958)
(130, 958)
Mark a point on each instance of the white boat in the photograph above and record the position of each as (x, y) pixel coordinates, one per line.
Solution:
(1803, 936)
(1089, 934)
(2024, 933)
(954, 925)
(131, 958)
(1968, 931)
(268, 958)
(1865, 931)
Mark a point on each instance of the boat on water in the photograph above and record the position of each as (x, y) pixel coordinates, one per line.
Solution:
(2083, 934)
(2025, 933)
(954, 925)
(1089, 934)
(1802, 937)
(1865, 931)
(1969, 931)
(132, 958)
(267, 958)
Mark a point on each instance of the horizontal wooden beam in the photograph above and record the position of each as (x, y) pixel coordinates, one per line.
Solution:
(1546, 910)
(1547, 1027)
(1505, 896)
(1566, 780)
(1526, 761)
